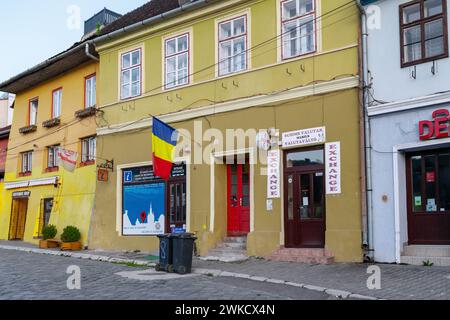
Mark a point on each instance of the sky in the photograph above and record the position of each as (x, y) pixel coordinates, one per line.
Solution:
(32, 31)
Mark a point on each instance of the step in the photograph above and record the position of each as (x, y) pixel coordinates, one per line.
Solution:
(303, 259)
(232, 245)
(236, 258)
(302, 252)
(226, 252)
(418, 261)
(427, 251)
(235, 240)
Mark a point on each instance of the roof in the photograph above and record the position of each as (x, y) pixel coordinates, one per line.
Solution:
(75, 55)
(4, 132)
(148, 10)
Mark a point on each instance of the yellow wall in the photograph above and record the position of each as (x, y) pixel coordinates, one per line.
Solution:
(337, 58)
(74, 194)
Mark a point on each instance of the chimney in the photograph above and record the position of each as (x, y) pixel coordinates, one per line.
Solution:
(99, 21)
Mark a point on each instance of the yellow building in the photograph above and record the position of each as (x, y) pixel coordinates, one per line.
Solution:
(220, 71)
(54, 107)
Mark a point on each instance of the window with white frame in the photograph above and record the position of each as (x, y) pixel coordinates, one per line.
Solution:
(90, 94)
(33, 109)
(233, 45)
(57, 103)
(27, 164)
(176, 61)
(88, 147)
(131, 74)
(52, 152)
(298, 28)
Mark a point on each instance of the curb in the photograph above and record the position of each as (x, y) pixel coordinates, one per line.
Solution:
(76, 255)
(210, 272)
(332, 292)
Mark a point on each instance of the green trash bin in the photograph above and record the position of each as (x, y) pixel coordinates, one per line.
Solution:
(165, 253)
(183, 251)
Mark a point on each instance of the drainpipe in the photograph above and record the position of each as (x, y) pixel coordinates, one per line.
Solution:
(367, 154)
(89, 54)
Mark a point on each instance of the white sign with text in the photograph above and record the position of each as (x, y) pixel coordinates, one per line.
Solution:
(304, 137)
(333, 167)
(273, 174)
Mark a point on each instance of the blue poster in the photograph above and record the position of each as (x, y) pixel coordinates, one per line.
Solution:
(144, 209)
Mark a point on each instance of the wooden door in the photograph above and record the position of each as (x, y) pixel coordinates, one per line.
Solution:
(177, 206)
(238, 202)
(18, 219)
(428, 196)
(305, 199)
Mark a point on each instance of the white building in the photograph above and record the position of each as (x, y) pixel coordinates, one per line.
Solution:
(408, 100)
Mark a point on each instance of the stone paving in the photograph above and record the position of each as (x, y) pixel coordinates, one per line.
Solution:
(397, 281)
(30, 276)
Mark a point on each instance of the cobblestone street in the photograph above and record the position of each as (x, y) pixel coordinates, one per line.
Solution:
(28, 276)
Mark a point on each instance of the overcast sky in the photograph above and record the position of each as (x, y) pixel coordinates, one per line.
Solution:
(32, 31)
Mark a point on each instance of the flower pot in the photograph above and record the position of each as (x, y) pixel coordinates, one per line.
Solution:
(71, 246)
(48, 244)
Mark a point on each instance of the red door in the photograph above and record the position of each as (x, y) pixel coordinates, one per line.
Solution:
(238, 199)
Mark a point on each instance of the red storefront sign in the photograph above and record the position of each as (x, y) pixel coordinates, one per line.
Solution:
(437, 128)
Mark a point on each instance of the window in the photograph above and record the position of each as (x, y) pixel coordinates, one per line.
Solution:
(423, 31)
(56, 103)
(298, 28)
(27, 162)
(177, 61)
(130, 74)
(33, 111)
(88, 146)
(52, 157)
(233, 46)
(90, 94)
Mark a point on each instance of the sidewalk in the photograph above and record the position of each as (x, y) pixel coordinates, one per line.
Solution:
(397, 281)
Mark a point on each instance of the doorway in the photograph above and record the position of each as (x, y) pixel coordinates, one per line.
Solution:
(18, 219)
(238, 200)
(304, 198)
(428, 196)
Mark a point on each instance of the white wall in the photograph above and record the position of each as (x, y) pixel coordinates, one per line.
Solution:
(4, 113)
(390, 81)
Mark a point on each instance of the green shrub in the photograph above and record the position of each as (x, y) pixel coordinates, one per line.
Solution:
(71, 234)
(49, 232)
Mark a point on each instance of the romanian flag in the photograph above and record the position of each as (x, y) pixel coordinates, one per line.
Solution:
(164, 140)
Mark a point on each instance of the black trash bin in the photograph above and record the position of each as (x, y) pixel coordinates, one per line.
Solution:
(183, 250)
(165, 253)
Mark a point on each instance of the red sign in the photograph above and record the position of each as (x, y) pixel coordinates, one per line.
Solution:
(102, 175)
(437, 128)
(431, 177)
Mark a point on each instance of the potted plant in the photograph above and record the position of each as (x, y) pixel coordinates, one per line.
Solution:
(48, 234)
(71, 239)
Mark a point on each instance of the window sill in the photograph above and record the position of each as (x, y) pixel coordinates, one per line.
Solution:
(51, 123)
(422, 61)
(86, 163)
(52, 169)
(28, 129)
(24, 174)
(87, 112)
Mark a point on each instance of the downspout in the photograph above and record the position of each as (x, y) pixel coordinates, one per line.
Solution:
(367, 216)
(89, 54)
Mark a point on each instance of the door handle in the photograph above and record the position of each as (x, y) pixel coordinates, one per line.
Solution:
(240, 202)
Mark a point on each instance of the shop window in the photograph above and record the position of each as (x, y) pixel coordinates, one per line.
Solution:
(90, 93)
(305, 158)
(298, 28)
(131, 74)
(176, 61)
(88, 149)
(26, 162)
(233, 45)
(33, 112)
(46, 210)
(56, 103)
(423, 31)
